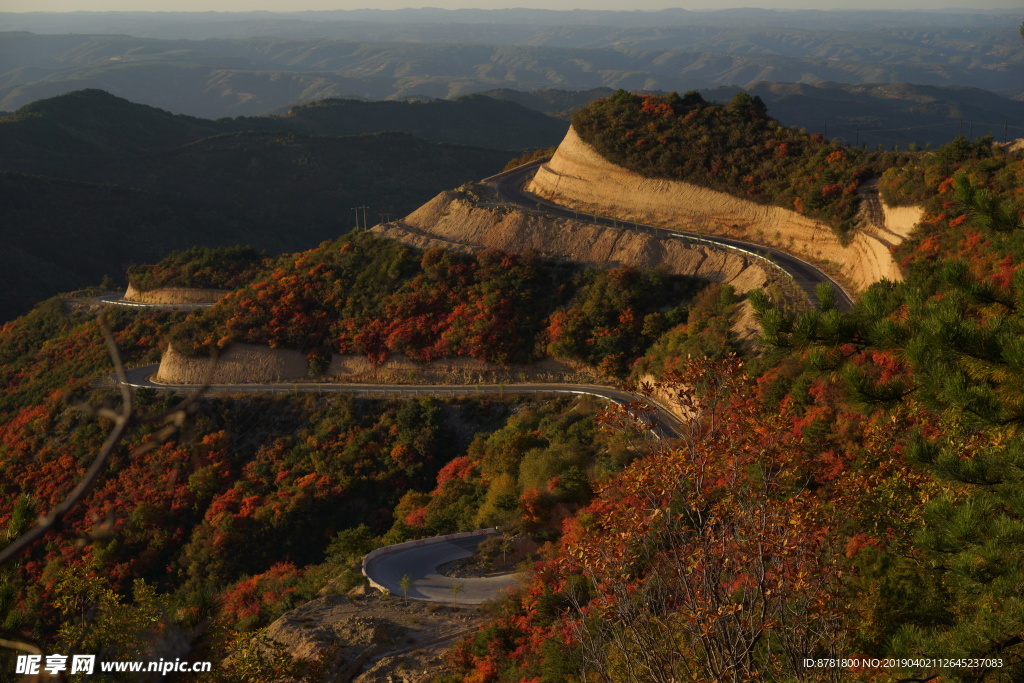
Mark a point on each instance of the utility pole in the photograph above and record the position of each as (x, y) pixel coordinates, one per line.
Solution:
(356, 209)
(961, 126)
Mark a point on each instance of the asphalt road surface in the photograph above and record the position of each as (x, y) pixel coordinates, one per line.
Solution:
(510, 188)
(420, 563)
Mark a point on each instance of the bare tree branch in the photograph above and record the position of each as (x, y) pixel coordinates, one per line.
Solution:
(124, 420)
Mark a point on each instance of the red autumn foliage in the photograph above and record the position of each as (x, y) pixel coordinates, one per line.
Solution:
(705, 544)
(457, 468)
(244, 602)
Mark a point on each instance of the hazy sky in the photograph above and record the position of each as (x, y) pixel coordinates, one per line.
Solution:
(298, 5)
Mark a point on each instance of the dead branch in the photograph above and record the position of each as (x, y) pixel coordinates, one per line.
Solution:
(125, 420)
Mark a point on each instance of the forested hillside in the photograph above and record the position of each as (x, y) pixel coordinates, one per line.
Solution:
(253, 509)
(200, 268)
(240, 516)
(848, 486)
(736, 148)
(903, 115)
(180, 181)
(372, 297)
(851, 489)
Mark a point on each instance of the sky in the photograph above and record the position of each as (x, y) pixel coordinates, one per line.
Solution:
(299, 5)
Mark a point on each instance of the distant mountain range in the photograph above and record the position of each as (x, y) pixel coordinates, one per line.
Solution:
(573, 28)
(496, 123)
(380, 59)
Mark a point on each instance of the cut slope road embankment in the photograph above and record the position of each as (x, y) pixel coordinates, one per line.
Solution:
(175, 296)
(456, 220)
(579, 177)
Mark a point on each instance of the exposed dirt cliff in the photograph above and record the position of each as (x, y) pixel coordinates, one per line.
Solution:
(579, 177)
(252, 363)
(459, 219)
(1016, 145)
(175, 295)
(239, 363)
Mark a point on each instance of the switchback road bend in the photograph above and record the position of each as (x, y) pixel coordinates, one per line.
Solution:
(421, 564)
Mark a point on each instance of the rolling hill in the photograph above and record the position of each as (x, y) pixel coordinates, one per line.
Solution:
(248, 76)
(90, 173)
(872, 114)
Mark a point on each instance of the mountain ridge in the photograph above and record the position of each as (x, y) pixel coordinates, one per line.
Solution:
(188, 181)
(251, 76)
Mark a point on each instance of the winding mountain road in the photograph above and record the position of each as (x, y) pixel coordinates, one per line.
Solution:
(116, 300)
(665, 424)
(510, 188)
(421, 562)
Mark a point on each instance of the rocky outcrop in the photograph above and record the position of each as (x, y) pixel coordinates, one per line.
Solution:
(331, 626)
(175, 295)
(579, 177)
(457, 220)
(393, 639)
